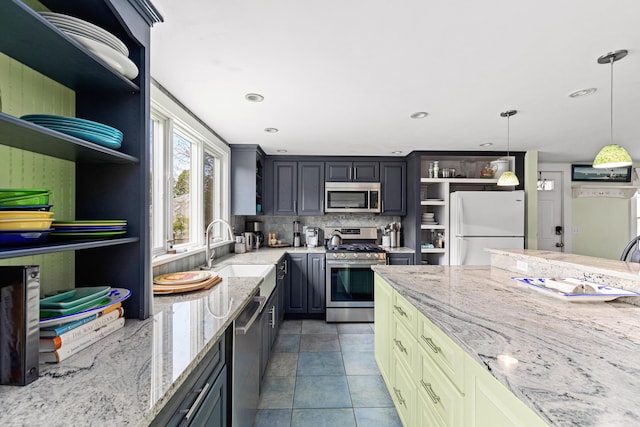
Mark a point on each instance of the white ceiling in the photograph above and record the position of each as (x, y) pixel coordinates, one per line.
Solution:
(342, 77)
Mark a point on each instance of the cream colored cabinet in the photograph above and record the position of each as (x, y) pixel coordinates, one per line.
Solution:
(382, 316)
(432, 381)
(488, 402)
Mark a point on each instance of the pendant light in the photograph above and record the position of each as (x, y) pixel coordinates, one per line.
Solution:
(508, 178)
(612, 155)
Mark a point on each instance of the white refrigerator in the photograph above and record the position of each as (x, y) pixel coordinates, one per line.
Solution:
(484, 219)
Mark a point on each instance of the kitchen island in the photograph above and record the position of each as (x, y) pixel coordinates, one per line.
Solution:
(127, 377)
(570, 363)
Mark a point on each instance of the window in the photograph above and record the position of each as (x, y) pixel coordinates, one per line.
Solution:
(190, 176)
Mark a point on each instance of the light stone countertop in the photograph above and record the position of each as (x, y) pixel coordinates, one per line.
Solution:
(128, 376)
(578, 364)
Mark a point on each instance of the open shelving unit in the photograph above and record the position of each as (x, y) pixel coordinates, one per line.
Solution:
(109, 183)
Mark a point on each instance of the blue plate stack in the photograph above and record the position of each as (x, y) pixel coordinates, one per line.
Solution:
(88, 130)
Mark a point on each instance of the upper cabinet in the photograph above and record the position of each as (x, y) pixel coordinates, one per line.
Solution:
(298, 188)
(393, 182)
(357, 171)
(247, 179)
(109, 184)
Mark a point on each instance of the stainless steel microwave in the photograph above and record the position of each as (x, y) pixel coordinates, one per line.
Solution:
(354, 197)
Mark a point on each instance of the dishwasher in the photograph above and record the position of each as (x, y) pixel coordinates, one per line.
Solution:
(246, 363)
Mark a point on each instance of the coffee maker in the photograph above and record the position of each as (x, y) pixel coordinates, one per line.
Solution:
(312, 236)
(255, 227)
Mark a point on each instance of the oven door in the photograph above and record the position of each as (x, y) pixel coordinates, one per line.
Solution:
(350, 284)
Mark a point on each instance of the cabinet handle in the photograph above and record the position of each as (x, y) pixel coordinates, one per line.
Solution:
(350, 173)
(286, 266)
(399, 396)
(431, 344)
(400, 346)
(201, 394)
(401, 311)
(272, 312)
(432, 394)
(355, 174)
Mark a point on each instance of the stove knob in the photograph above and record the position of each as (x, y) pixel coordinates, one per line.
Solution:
(355, 255)
(343, 255)
(368, 255)
(335, 255)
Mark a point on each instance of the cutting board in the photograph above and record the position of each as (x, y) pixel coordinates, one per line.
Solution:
(177, 289)
(280, 245)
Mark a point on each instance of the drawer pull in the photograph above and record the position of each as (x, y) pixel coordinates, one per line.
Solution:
(399, 396)
(431, 344)
(201, 394)
(400, 346)
(432, 394)
(400, 310)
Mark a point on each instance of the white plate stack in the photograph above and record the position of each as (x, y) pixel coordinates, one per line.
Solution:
(98, 41)
(428, 218)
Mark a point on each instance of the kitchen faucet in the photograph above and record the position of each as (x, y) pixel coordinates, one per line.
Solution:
(209, 252)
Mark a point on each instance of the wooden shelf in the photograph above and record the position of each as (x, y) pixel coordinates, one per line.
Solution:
(432, 251)
(432, 227)
(604, 190)
(460, 180)
(60, 246)
(79, 69)
(434, 202)
(31, 137)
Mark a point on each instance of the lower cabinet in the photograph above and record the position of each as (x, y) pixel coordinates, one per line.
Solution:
(400, 259)
(432, 381)
(305, 284)
(202, 400)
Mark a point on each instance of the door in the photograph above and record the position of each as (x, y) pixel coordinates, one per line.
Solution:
(487, 213)
(550, 224)
(471, 250)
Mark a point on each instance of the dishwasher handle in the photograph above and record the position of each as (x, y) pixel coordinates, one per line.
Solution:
(243, 329)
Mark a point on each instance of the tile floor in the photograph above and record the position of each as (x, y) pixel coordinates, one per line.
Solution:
(324, 374)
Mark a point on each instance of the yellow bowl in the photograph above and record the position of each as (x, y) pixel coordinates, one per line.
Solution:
(25, 224)
(25, 214)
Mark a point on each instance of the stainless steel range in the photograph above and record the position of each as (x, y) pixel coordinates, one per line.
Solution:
(349, 281)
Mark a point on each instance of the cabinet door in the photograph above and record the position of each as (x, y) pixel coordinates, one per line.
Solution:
(338, 171)
(310, 188)
(285, 183)
(316, 283)
(296, 284)
(400, 259)
(393, 185)
(265, 339)
(212, 411)
(280, 287)
(382, 317)
(366, 172)
(246, 179)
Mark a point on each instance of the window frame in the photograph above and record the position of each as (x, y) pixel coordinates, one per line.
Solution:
(174, 117)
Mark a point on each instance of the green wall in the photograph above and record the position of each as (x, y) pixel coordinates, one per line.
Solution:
(25, 91)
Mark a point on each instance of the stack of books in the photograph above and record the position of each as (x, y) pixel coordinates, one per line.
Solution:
(81, 317)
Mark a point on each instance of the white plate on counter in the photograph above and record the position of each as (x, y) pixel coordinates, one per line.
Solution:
(564, 289)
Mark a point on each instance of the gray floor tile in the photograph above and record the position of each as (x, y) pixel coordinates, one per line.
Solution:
(318, 327)
(290, 327)
(369, 391)
(377, 417)
(357, 342)
(287, 343)
(282, 365)
(360, 363)
(354, 328)
(273, 418)
(321, 392)
(324, 363)
(277, 393)
(323, 418)
(319, 342)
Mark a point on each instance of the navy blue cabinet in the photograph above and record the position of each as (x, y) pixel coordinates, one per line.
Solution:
(285, 184)
(298, 188)
(400, 259)
(305, 285)
(356, 171)
(393, 184)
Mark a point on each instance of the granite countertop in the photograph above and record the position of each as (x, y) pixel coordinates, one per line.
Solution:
(577, 363)
(127, 377)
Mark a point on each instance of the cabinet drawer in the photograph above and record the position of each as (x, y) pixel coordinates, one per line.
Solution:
(403, 392)
(426, 415)
(403, 344)
(444, 352)
(406, 313)
(438, 392)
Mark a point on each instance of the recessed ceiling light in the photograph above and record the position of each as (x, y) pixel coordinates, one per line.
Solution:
(419, 115)
(397, 152)
(582, 92)
(486, 144)
(271, 130)
(254, 97)
(282, 151)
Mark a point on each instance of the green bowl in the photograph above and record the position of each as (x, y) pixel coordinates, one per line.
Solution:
(18, 192)
(28, 200)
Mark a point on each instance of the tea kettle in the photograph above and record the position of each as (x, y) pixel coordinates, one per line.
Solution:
(335, 238)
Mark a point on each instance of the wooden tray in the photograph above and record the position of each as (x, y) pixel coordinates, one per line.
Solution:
(280, 245)
(177, 289)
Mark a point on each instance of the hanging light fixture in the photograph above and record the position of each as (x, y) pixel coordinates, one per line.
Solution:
(508, 178)
(612, 155)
